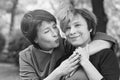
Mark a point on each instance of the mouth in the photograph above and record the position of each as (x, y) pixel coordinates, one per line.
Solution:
(74, 38)
(57, 40)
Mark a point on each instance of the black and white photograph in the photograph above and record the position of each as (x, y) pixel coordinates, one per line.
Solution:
(59, 39)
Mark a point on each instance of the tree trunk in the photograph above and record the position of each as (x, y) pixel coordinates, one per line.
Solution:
(15, 2)
(98, 10)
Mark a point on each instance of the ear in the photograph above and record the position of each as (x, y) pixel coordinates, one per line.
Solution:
(90, 30)
(36, 40)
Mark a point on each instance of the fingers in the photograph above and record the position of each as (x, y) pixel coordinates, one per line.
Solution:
(72, 56)
(74, 59)
(83, 52)
(67, 67)
(75, 63)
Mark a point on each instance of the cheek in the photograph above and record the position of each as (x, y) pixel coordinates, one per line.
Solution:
(86, 35)
(44, 41)
(67, 36)
(46, 38)
(42, 37)
(84, 30)
(67, 32)
(58, 31)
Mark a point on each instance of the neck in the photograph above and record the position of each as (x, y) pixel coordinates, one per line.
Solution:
(45, 49)
(83, 45)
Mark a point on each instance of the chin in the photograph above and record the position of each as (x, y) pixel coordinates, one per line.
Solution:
(56, 45)
(76, 44)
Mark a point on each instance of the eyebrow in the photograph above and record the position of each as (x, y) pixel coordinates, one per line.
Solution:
(76, 22)
(46, 28)
(54, 24)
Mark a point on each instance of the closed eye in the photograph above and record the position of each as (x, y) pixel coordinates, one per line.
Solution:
(46, 31)
(67, 28)
(77, 25)
(55, 27)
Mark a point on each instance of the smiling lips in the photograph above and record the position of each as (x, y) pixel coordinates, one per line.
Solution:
(74, 38)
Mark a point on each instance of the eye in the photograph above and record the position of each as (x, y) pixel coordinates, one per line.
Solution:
(55, 27)
(67, 28)
(46, 31)
(77, 25)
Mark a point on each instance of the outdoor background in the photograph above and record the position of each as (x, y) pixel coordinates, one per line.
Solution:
(12, 41)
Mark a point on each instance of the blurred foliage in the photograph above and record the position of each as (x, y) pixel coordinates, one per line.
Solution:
(6, 5)
(2, 42)
(112, 9)
(17, 43)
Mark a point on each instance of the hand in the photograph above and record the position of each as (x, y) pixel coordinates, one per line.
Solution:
(83, 53)
(69, 64)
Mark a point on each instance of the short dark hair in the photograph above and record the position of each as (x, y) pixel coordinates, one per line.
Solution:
(89, 17)
(31, 20)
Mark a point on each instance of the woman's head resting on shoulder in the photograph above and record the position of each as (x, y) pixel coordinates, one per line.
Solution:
(79, 26)
(39, 27)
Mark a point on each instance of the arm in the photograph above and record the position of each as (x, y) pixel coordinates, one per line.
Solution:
(55, 75)
(65, 68)
(101, 44)
(102, 41)
(109, 68)
(26, 70)
(108, 65)
(91, 71)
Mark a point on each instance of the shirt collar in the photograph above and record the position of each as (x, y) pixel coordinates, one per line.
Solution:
(40, 50)
(50, 51)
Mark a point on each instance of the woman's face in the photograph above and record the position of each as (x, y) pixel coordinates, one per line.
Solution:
(77, 32)
(47, 35)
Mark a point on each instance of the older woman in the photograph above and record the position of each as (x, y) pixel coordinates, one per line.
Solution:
(80, 27)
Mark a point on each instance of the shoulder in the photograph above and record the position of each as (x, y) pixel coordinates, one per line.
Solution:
(104, 36)
(107, 52)
(104, 54)
(26, 53)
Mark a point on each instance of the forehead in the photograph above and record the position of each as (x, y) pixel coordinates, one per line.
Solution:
(77, 19)
(46, 24)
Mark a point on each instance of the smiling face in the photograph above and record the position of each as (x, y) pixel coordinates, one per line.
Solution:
(77, 32)
(47, 35)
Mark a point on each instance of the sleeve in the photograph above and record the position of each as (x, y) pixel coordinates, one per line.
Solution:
(104, 36)
(26, 70)
(109, 66)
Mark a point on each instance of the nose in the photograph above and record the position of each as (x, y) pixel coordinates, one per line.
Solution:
(72, 31)
(54, 33)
